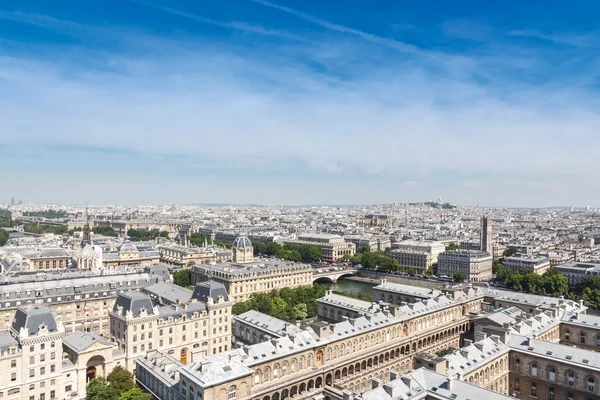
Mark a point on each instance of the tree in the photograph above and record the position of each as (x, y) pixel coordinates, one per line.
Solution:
(183, 278)
(429, 272)
(310, 253)
(496, 267)
(272, 248)
(365, 249)
(458, 277)
(510, 251)
(259, 247)
(279, 308)
(120, 379)
(3, 237)
(135, 394)
(299, 311)
(98, 389)
(452, 246)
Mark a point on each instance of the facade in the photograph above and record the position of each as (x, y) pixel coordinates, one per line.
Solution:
(375, 244)
(576, 271)
(475, 265)
(79, 301)
(381, 220)
(49, 260)
(254, 327)
(186, 257)
(487, 244)
(319, 361)
(432, 247)
(129, 254)
(333, 247)
(533, 263)
(187, 325)
(397, 293)
(242, 249)
(39, 361)
(242, 280)
(420, 260)
(336, 308)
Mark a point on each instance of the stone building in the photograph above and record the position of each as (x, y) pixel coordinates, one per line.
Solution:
(242, 249)
(533, 263)
(128, 254)
(322, 359)
(333, 247)
(186, 257)
(38, 360)
(336, 308)
(475, 265)
(80, 301)
(188, 325)
(242, 280)
(420, 260)
(397, 293)
(254, 327)
(49, 260)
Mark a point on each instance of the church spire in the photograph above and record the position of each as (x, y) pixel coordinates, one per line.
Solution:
(87, 235)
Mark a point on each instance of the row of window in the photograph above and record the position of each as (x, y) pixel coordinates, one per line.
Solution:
(551, 375)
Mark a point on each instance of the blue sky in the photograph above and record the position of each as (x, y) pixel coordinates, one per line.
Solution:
(300, 102)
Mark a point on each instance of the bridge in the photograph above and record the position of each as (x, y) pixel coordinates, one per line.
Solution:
(331, 275)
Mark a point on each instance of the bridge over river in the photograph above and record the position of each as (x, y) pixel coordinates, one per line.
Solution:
(332, 275)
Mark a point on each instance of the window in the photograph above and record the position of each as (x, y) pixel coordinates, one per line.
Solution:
(232, 390)
(52, 368)
(551, 393)
(570, 396)
(52, 394)
(591, 384)
(516, 384)
(31, 373)
(42, 346)
(42, 357)
(533, 369)
(31, 360)
(42, 370)
(13, 377)
(13, 363)
(582, 337)
(517, 365)
(533, 389)
(598, 340)
(571, 379)
(266, 374)
(67, 388)
(551, 374)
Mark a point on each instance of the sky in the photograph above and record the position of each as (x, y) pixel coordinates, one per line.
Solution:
(300, 101)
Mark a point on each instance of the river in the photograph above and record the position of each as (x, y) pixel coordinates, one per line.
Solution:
(352, 286)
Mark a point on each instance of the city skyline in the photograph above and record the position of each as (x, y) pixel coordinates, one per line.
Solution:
(289, 102)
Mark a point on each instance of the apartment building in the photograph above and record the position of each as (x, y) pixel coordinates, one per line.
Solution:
(475, 265)
(188, 325)
(333, 247)
(530, 262)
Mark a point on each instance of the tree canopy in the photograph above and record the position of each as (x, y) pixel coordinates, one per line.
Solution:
(34, 227)
(118, 385)
(183, 278)
(552, 283)
(120, 379)
(145, 234)
(452, 246)
(6, 219)
(3, 237)
(47, 214)
(510, 251)
(458, 277)
(105, 231)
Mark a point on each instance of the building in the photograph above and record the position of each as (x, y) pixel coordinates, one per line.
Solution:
(333, 247)
(375, 244)
(533, 263)
(254, 327)
(185, 324)
(80, 301)
(262, 276)
(420, 255)
(242, 249)
(575, 272)
(487, 243)
(48, 260)
(422, 384)
(379, 220)
(317, 361)
(475, 265)
(128, 254)
(397, 293)
(336, 308)
(186, 257)
(39, 360)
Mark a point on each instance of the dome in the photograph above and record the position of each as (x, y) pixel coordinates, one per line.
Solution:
(242, 243)
(128, 247)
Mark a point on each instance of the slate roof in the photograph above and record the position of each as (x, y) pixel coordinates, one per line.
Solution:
(6, 341)
(31, 317)
(213, 370)
(134, 302)
(207, 289)
(81, 340)
(169, 293)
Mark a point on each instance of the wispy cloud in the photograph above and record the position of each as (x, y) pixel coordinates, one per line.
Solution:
(38, 20)
(575, 40)
(234, 25)
(396, 44)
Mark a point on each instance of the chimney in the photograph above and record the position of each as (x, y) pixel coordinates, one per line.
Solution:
(375, 383)
(389, 389)
(450, 383)
(393, 374)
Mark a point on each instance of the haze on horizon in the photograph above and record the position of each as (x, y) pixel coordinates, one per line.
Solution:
(299, 102)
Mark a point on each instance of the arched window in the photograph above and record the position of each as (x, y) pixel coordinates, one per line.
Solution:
(231, 393)
(310, 361)
(533, 369)
(266, 374)
(301, 363)
(567, 334)
(582, 337)
(517, 365)
(293, 366)
(570, 379)
(551, 374)
(275, 371)
(591, 384)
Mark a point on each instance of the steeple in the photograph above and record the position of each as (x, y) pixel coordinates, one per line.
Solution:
(87, 236)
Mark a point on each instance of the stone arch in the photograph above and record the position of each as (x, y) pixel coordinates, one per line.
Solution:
(311, 385)
(328, 380)
(95, 367)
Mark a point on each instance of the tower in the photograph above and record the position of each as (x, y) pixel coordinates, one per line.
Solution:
(87, 232)
(242, 249)
(486, 235)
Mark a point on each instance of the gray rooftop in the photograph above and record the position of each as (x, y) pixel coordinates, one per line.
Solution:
(6, 341)
(31, 318)
(81, 340)
(168, 293)
(555, 351)
(133, 302)
(210, 289)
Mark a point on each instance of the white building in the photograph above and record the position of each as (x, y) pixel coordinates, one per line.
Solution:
(475, 265)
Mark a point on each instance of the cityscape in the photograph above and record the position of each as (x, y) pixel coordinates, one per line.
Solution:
(299, 200)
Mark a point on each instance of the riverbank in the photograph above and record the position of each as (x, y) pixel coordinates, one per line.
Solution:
(375, 279)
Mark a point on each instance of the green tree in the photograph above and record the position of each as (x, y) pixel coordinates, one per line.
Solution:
(99, 389)
(300, 311)
(452, 246)
(183, 278)
(458, 277)
(6, 219)
(365, 249)
(496, 267)
(135, 394)
(279, 308)
(259, 247)
(272, 249)
(429, 272)
(3, 237)
(120, 379)
(510, 251)
(310, 253)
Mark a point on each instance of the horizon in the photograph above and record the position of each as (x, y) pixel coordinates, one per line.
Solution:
(300, 102)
